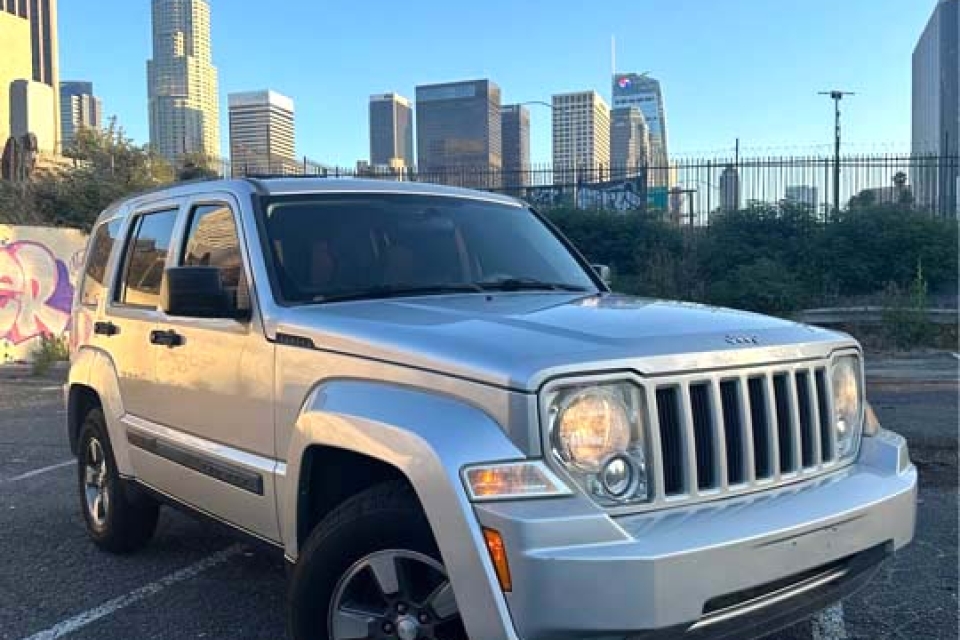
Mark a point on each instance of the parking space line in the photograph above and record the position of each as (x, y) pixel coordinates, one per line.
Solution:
(37, 472)
(829, 624)
(88, 617)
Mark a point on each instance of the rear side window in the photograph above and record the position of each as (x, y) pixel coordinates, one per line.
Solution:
(145, 258)
(95, 277)
(212, 241)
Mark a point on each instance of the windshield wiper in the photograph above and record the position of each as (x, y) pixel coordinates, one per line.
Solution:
(529, 284)
(397, 291)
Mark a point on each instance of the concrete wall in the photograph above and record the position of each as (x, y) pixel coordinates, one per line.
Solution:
(16, 63)
(39, 270)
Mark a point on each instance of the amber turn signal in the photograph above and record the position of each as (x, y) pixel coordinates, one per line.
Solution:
(498, 553)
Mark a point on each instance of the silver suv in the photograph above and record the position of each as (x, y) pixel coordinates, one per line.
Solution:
(433, 405)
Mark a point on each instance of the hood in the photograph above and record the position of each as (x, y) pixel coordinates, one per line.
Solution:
(518, 340)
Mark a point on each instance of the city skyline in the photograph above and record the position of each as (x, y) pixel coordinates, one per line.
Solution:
(333, 109)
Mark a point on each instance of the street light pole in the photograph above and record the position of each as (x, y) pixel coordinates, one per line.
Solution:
(836, 96)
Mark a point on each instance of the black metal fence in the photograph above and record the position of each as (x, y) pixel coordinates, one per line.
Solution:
(690, 191)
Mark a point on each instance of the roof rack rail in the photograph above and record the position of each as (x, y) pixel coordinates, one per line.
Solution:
(286, 176)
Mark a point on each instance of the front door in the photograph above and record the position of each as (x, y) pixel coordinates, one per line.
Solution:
(214, 389)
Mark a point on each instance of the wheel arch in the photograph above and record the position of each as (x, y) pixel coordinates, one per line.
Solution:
(322, 487)
(420, 437)
(81, 399)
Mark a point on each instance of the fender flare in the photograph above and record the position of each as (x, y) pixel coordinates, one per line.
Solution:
(94, 368)
(428, 438)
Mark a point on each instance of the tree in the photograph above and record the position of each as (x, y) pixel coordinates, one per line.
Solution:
(108, 166)
(196, 166)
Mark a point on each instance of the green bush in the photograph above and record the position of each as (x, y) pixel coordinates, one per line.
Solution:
(905, 321)
(769, 258)
(50, 350)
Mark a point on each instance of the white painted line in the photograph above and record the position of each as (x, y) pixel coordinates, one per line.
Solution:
(957, 356)
(108, 608)
(37, 472)
(829, 624)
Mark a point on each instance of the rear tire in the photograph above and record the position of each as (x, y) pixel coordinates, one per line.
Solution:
(371, 569)
(118, 519)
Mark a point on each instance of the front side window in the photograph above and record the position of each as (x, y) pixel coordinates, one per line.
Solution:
(341, 246)
(146, 257)
(212, 241)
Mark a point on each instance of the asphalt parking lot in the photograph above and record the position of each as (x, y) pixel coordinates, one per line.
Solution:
(197, 581)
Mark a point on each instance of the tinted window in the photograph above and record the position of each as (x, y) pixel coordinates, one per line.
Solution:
(332, 245)
(212, 241)
(146, 256)
(101, 246)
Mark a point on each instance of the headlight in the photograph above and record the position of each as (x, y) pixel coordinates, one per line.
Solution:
(596, 433)
(591, 426)
(847, 404)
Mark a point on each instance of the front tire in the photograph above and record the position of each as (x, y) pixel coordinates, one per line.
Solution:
(117, 521)
(371, 569)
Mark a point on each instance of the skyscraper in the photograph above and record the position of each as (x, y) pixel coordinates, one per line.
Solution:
(79, 108)
(458, 132)
(629, 142)
(16, 61)
(936, 110)
(43, 34)
(182, 81)
(39, 18)
(391, 130)
(644, 92)
(730, 189)
(262, 133)
(515, 136)
(581, 137)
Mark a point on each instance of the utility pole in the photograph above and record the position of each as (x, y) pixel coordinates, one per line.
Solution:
(836, 96)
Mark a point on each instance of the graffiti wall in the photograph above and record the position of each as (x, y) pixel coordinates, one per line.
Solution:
(39, 269)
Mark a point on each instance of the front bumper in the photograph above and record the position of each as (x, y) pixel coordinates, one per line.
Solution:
(735, 568)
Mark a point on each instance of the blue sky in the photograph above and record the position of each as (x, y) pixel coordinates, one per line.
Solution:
(733, 68)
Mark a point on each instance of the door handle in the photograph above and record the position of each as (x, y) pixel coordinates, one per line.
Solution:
(105, 329)
(169, 338)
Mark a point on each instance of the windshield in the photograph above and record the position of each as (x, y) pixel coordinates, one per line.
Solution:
(344, 246)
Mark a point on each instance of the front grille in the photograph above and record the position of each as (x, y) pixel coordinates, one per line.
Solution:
(729, 431)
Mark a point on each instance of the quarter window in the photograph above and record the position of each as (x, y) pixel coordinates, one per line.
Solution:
(94, 278)
(146, 257)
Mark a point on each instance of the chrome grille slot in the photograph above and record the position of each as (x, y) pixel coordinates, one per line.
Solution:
(700, 403)
(823, 409)
(733, 431)
(671, 440)
(788, 447)
(808, 432)
(763, 463)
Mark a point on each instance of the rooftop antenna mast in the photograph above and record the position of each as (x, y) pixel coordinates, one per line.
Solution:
(613, 56)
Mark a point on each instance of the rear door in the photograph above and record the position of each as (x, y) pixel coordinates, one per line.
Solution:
(132, 312)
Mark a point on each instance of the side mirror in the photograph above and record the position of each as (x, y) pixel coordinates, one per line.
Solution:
(604, 272)
(194, 292)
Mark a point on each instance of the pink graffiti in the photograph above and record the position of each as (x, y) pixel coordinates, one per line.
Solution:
(35, 292)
